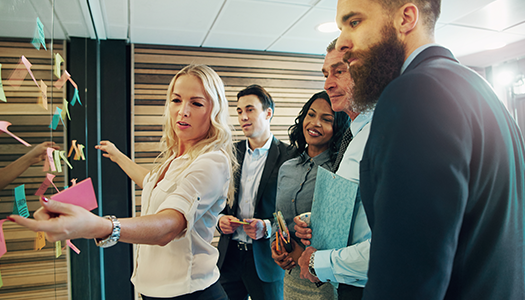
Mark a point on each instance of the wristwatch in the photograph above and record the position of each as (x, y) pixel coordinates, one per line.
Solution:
(311, 265)
(113, 238)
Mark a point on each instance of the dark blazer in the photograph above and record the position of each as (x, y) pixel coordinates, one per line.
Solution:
(442, 183)
(267, 269)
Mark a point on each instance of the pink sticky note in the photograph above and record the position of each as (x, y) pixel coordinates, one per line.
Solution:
(81, 194)
(73, 83)
(60, 82)
(50, 160)
(17, 77)
(3, 248)
(3, 127)
(73, 247)
(28, 67)
(43, 187)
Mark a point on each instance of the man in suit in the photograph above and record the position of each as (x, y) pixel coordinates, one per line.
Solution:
(245, 259)
(349, 265)
(442, 175)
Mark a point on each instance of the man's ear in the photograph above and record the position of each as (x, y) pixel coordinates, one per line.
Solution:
(406, 18)
(269, 113)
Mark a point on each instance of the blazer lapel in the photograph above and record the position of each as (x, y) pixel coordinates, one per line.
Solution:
(273, 155)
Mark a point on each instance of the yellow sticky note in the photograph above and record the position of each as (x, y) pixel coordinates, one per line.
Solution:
(58, 61)
(40, 241)
(65, 110)
(1, 281)
(42, 99)
(2, 93)
(58, 249)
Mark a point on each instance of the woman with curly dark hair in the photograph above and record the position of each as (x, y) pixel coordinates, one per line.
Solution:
(317, 134)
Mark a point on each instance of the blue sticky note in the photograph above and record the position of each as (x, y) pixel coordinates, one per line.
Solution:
(20, 201)
(75, 98)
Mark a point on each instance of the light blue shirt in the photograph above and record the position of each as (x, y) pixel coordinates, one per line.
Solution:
(349, 265)
(413, 55)
(251, 173)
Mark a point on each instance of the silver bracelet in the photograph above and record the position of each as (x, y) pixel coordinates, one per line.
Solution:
(113, 238)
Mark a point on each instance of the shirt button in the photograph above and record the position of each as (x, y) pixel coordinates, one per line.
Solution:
(293, 200)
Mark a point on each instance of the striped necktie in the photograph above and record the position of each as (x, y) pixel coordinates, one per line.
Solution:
(347, 138)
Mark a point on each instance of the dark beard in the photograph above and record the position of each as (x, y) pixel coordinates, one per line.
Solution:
(376, 68)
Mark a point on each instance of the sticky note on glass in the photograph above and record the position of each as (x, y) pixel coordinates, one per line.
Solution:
(64, 158)
(42, 99)
(28, 66)
(17, 76)
(2, 93)
(65, 110)
(40, 241)
(58, 61)
(47, 182)
(73, 247)
(56, 119)
(50, 160)
(58, 249)
(1, 281)
(39, 37)
(3, 127)
(58, 163)
(20, 205)
(81, 194)
(60, 82)
(3, 248)
(75, 98)
(73, 83)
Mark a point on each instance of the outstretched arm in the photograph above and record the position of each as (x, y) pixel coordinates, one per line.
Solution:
(136, 172)
(16, 168)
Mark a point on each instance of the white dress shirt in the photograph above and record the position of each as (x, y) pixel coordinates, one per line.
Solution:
(188, 263)
(251, 174)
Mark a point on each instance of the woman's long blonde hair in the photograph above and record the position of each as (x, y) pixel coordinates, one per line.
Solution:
(219, 135)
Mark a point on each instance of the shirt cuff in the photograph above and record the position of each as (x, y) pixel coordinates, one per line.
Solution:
(268, 232)
(322, 265)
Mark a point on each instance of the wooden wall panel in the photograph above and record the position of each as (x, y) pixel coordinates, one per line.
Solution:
(26, 273)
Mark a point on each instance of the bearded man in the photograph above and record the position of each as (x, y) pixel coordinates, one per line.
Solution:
(442, 174)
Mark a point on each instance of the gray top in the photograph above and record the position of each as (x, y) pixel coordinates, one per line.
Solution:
(295, 187)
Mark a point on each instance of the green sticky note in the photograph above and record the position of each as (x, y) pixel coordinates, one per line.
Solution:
(58, 249)
(20, 201)
(1, 282)
(2, 94)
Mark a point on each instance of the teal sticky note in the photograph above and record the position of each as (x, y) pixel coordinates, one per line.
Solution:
(56, 118)
(41, 35)
(36, 39)
(75, 98)
(20, 201)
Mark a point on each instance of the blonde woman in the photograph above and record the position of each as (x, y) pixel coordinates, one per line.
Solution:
(181, 199)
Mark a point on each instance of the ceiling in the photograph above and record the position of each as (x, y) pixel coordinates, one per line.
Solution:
(470, 28)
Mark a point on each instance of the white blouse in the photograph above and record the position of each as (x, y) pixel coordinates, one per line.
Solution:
(189, 262)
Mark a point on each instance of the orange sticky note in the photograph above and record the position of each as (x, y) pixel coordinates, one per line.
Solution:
(40, 241)
(73, 83)
(60, 82)
(42, 99)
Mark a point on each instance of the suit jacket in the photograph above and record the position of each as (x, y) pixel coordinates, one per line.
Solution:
(442, 183)
(267, 269)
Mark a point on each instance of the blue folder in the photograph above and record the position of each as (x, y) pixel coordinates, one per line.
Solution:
(332, 208)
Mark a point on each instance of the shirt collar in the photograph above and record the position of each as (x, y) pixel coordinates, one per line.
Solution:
(360, 121)
(319, 159)
(414, 54)
(262, 150)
